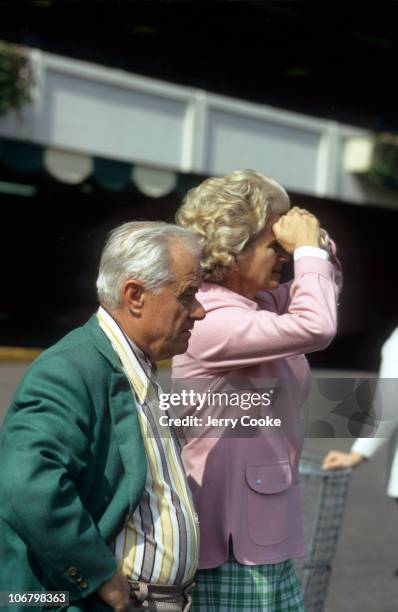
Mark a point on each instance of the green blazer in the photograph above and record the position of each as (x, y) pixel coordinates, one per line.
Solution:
(72, 467)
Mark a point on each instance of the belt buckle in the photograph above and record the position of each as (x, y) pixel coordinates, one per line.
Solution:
(138, 591)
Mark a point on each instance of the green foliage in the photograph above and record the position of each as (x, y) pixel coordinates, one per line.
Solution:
(15, 78)
(384, 168)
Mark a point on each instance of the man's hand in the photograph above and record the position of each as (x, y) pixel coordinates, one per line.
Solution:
(297, 228)
(335, 460)
(116, 592)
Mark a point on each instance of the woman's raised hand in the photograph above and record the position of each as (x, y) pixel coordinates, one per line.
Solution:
(297, 228)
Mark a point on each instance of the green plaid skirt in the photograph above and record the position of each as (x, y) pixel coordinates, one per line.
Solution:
(233, 587)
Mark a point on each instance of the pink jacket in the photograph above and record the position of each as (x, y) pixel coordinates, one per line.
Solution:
(247, 488)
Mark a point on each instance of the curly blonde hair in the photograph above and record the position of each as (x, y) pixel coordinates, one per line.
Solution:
(225, 213)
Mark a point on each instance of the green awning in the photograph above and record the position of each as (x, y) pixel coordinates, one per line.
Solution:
(21, 156)
(73, 168)
(111, 175)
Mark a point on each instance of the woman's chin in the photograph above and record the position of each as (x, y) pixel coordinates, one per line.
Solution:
(273, 283)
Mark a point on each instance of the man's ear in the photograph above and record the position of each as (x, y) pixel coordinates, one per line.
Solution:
(134, 296)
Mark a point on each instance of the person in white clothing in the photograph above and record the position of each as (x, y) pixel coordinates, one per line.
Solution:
(386, 399)
(386, 405)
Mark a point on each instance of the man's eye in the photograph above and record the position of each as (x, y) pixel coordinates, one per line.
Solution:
(187, 296)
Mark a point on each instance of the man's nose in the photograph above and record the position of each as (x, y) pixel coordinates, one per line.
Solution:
(197, 311)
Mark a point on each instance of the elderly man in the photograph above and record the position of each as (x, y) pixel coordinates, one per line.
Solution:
(94, 500)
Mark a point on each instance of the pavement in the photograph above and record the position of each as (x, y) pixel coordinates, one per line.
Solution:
(367, 552)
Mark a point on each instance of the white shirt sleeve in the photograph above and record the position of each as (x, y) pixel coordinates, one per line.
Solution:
(386, 398)
(310, 251)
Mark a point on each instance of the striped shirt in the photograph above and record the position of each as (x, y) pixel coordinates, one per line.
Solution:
(160, 541)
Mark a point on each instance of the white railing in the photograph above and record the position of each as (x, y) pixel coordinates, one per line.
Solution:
(101, 111)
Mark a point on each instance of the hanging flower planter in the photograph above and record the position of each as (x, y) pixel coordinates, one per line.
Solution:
(15, 78)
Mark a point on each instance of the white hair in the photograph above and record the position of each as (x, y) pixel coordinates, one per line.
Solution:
(140, 250)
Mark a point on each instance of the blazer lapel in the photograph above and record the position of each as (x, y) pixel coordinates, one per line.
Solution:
(123, 414)
(102, 343)
(126, 426)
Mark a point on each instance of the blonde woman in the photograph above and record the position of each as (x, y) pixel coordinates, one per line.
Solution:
(246, 489)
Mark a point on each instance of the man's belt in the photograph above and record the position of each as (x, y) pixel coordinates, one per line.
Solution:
(147, 591)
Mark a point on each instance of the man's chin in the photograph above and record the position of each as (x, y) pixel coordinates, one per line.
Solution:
(184, 341)
(179, 348)
(182, 347)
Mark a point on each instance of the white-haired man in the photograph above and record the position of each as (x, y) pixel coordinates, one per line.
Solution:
(94, 501)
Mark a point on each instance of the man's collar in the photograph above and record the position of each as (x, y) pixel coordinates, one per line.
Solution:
(144, 361)
(143, 368)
